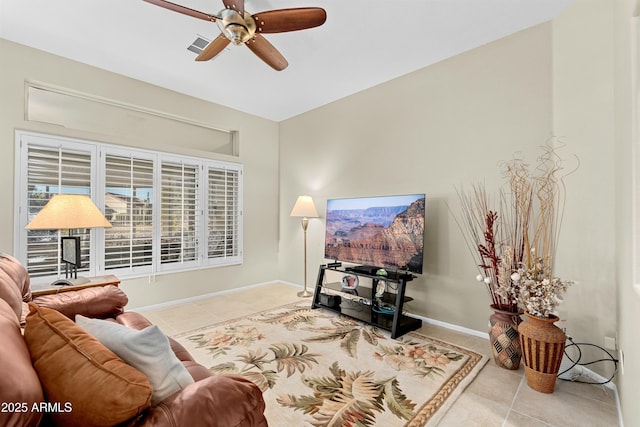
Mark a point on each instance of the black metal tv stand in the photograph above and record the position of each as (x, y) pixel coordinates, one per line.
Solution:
(385, 311)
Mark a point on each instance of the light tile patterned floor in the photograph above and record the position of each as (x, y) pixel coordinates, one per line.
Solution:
(497, 397)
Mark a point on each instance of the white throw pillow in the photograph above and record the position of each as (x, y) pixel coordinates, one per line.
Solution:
(147, 350)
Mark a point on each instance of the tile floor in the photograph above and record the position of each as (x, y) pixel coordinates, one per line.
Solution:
(497, 397)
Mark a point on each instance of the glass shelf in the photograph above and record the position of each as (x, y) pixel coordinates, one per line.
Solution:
(385, 312)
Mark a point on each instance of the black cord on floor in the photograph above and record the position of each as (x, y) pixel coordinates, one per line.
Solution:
(577, 362)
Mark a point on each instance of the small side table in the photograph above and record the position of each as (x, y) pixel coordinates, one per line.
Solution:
(109, 279)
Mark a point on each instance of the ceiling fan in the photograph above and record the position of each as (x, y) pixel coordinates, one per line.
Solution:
(238, 26)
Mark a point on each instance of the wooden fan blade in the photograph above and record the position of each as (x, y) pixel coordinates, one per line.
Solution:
(283, 20)
(237, 5)
(267, 52)
(182, 9)
(213, 48)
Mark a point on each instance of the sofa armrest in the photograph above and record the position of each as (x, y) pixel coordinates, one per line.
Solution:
(18, 275)
(133, 320)
(20, 387)
(97, 302)
(137, 321)
(216, 401)
(14, 283)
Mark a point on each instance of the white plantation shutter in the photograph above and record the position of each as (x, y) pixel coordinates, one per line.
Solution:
(51, 171)
(223, 225)
(179, 215)
(168, 212)
(129, 208)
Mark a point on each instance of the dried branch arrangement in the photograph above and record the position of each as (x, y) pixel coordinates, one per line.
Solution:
(514, 239)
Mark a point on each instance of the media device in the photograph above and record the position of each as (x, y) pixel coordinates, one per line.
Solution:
(330, 300)
(377, 232)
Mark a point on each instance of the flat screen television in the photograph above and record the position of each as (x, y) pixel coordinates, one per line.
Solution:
(384, 232)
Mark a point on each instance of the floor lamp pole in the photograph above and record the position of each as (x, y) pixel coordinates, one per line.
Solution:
(305, 292)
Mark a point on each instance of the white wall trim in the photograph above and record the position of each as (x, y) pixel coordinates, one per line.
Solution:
(457, 328)
(112, 103)
(428, 320)
(209, 295)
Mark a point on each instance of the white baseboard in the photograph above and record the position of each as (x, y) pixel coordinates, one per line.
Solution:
(283, 282)
(209, 295)
(480, 334)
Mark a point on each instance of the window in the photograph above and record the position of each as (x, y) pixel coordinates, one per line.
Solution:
(168, 212)
(223, 226)
(128, 205)
(179, 213)
(50, 169)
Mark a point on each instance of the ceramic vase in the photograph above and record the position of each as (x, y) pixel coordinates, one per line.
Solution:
(542, 350)
(504, 338)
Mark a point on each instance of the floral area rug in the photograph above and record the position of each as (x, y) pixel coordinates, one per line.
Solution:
(318, 368)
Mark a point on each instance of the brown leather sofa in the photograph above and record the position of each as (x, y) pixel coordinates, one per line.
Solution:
(211, 400)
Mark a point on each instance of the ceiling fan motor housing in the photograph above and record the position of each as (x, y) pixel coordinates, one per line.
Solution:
(236, 28)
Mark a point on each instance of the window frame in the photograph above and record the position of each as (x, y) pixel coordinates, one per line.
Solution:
(99, 152)
(137, 154)
(177, 266)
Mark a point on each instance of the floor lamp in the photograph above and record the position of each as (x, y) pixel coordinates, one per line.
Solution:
(69, 211)
(305, 209)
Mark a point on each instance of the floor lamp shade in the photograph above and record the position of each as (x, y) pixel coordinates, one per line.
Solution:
(305, 209)
(68, 211)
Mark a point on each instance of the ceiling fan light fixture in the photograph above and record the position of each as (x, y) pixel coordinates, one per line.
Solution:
(236, 33)
(236, 28)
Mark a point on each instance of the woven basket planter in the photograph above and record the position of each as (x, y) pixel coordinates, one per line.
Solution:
(542, 351)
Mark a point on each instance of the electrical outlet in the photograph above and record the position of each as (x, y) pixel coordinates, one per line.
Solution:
(610, 343)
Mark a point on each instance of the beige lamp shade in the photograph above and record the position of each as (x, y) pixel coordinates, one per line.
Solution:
(69, 211)
(304, 207)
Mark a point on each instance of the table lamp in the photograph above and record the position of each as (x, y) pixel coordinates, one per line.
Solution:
(70, 211)
(304, 208)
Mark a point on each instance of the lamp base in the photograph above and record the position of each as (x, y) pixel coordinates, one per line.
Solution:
(71, 282)
(304, 294)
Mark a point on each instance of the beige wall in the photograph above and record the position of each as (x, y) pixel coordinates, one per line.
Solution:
(627, 94)
(583, 86)
(443, 126)
(258, 154)
(593, 99)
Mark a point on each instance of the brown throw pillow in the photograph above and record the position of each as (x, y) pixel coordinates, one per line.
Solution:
(91, 385)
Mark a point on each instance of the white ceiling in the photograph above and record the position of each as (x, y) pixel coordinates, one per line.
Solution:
(362, 44)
